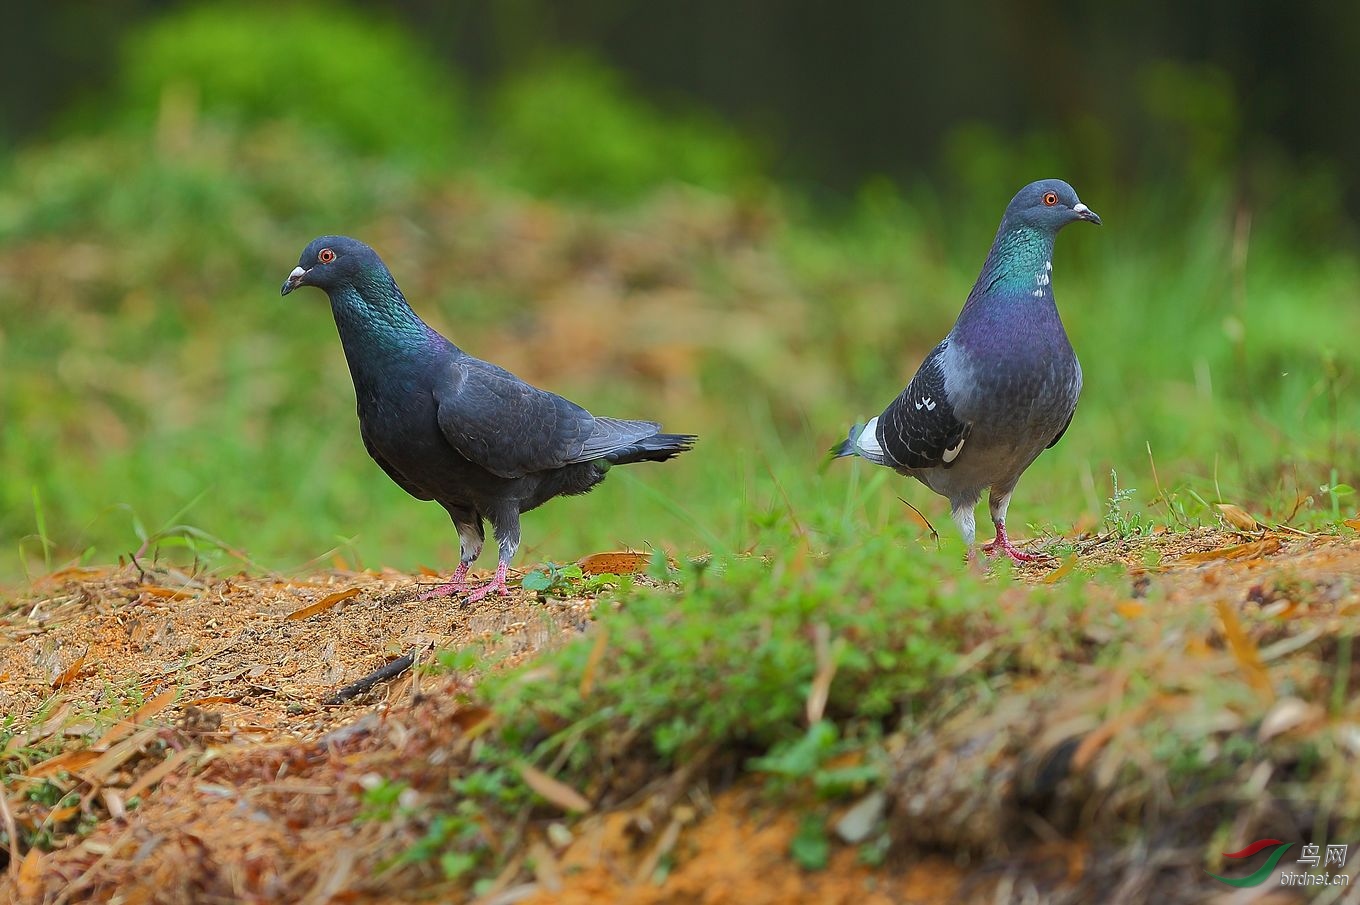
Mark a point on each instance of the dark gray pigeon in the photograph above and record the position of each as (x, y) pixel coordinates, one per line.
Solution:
(1002, 386)
(454, 429)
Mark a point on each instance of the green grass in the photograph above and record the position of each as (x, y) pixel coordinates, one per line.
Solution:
(150, 365)
(154, 379)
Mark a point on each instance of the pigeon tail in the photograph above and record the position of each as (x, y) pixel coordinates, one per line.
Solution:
(863, 442)
(656, 448)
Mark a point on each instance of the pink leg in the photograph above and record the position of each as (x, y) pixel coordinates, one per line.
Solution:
(453, 588)
(496, 584)
(1003, 544)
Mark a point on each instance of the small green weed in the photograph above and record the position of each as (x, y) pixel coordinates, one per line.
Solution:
(554, 580)
(1118, 520)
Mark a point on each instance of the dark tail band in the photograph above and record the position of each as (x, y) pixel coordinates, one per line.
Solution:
(656, 448)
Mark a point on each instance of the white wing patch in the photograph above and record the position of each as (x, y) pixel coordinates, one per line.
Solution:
(1042, 279)
(927, 403)
(868, 438)
(953, 452)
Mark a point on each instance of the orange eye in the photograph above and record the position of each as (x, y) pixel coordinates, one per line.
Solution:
(325, 256)
(1049, 198)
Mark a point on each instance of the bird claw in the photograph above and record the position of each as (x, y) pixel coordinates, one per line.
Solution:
(452, 589)
(1010, 550)
(496, 584)
(455, 587)
(1003, 544)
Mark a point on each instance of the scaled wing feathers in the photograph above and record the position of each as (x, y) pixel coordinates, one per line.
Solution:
(919, 428)
(505, 425)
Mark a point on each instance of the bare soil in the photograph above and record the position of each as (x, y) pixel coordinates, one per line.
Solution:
(248, 787)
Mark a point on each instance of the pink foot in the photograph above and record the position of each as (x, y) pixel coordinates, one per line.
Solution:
(1003, 544)
(496, 584)
(453, 588)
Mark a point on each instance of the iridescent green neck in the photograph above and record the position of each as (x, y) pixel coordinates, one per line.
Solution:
(1018, 265)
(374, 314)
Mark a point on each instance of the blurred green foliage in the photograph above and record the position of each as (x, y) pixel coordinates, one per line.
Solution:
(570, 126)
(360, 82)
(620, 255)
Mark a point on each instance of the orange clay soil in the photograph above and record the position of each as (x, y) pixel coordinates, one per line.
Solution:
(249, 787)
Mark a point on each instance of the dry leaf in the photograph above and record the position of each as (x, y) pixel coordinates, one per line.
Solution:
(1253, 550)
(1352, 523)
(471, 718)
(593, 661)
(555, 791)
(115, 757)
(61, 815)
(1097, 738)
(1238, 517)
(165, 593)
(29, 880)
(157, 773)
(1287, 714)
(1059, 573)
(325, 603)
(625, 563)
(70, 761)
(546, 871)
(1129, 609)
(213, 699)
(1248, 657)
(143, 714)
(70, 674)
(820, 688)
(114, 803)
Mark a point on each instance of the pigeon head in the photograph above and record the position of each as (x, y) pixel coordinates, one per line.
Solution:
(1047, 205)
(332, 262)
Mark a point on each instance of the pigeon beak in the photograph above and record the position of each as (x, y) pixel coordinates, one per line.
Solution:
(1085, 213)
(294, 281)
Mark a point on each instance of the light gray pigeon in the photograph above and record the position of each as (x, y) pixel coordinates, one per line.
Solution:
(455, 429)
(1001, 387)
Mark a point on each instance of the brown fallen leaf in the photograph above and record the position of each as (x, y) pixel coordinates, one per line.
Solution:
(102, 768)
(1287, 714)
(1238, 517)
(1252, 550)
(1097, 738)
(1062, 571)
(1244, 651)
(1353, 523)
(1129, 609)
(29, 880)
(157, 773)
(623, 563)
(164, 593)
(70, 761)
(213, 699)
(471, 718)
(61, 815)
(820, 689)
(593, 661)
(546, 871)
(554, 791)
(323, 604)
(70, 673)
(144, 713)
